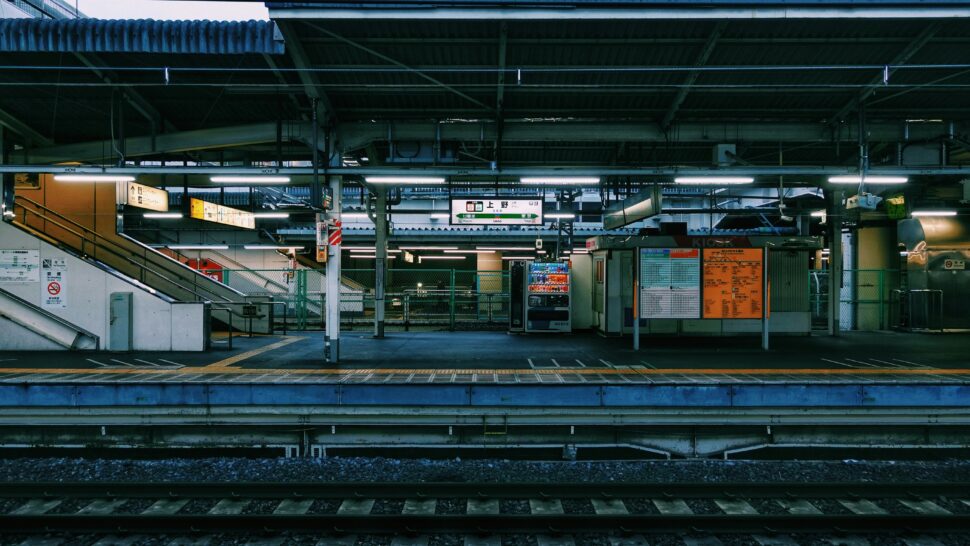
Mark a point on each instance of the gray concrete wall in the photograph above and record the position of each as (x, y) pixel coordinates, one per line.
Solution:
(158, 324)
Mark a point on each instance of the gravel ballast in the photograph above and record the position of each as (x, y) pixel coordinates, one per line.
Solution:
(355, 469)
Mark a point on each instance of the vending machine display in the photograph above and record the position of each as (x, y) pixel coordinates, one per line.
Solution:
(547, 303)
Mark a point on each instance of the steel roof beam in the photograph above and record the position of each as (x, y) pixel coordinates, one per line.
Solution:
(397, 63)
(310, 80)
(137, 101)
(619, 14)
(901, 58)
(29, 133)
(701, 60)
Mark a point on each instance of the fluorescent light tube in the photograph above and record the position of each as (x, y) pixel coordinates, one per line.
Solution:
(518, 257)
(250, 179)
(404, 179)
(560, 215)
(818, 213)
(272, 247)
(93, 178)
(271, 215)
(713, 180)
(560, 180)
(163, 215)
(429, 248)
(872, 179)
(525, 248)
(469, 252)
(440, 216)
(918, 213)
(199, 247)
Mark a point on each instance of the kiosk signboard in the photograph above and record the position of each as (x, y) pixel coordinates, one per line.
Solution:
(733, 283)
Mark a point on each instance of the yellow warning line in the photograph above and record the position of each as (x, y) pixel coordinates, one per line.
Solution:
(258, 351)
(222, 367)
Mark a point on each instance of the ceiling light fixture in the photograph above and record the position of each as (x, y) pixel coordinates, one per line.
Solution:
(872, 179)
(198, 247)
(163, 215)
(271, 215)
(560, 180)
(404, 179)
(250, 179)
(713, 180)
(922, 213)
(272, 247)
(560, 215)
(93, 178)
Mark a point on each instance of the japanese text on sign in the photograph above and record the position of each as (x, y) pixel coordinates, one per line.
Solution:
(670, 283)
(733, 283)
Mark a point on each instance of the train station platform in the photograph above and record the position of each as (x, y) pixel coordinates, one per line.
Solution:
(499, 357)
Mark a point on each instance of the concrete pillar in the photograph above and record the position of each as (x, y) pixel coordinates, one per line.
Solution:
(877, 260)
(380, 262)
(833, 214)
(332, 341)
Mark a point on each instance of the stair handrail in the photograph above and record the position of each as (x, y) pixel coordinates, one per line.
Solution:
(193, 273)
(123, 255)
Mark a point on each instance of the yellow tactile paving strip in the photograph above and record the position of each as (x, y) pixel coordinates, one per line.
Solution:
(225, 369)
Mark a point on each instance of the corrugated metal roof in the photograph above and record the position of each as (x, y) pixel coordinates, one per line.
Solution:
(140, 36)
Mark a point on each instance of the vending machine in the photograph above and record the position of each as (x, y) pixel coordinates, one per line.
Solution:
(547, 298)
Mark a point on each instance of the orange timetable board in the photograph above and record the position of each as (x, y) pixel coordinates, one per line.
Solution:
(733, 283)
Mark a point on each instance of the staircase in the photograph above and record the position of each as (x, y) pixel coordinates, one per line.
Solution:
(138, 262)
(25, 320)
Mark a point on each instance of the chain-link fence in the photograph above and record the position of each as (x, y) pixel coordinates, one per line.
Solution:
(865, 298)
(414, 298)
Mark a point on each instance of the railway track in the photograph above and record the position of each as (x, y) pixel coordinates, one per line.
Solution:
(480, 510)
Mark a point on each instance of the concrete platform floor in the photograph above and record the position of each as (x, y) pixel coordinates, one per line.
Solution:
(498, 357)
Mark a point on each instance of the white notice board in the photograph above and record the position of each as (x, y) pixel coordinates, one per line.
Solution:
(670, 283)
(19, 265)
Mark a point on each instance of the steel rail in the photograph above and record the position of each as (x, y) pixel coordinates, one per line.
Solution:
(485, 524)
(410, 490)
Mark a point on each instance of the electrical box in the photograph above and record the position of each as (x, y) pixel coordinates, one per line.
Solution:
(120, 321)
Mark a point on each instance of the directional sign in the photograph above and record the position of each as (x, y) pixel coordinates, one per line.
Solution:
(503, 211)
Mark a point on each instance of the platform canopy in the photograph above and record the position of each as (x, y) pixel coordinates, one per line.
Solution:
(494, 87)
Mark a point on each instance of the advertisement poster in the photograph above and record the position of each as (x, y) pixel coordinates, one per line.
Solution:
(19, 265)
(54, 283)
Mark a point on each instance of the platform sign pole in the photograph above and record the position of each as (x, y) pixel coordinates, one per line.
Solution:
(380, 261)
(764, 298)
(636, 299)
(332, 341)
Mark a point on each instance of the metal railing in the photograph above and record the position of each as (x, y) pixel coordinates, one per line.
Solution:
(413, 297)
(865, 298)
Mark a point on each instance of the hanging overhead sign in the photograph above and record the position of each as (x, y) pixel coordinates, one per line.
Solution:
(670, 283)
(211, 212)
(733, 283)
(142, 196)
(637, 207)
(491, 211)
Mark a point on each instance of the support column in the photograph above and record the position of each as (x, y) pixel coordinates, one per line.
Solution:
(380, 262)
(332, 342)
(833, 215)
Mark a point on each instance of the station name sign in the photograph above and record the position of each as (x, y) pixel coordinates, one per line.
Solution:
(496, 211)
(211, 212)
(142, 196)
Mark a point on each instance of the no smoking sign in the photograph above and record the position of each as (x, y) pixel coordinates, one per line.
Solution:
(53, 288)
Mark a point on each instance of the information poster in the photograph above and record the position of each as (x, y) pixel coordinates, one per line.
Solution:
(54, 286)
(211, 212)
(733, 283)
(670, 281)
(19, 265)
(496, 211)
